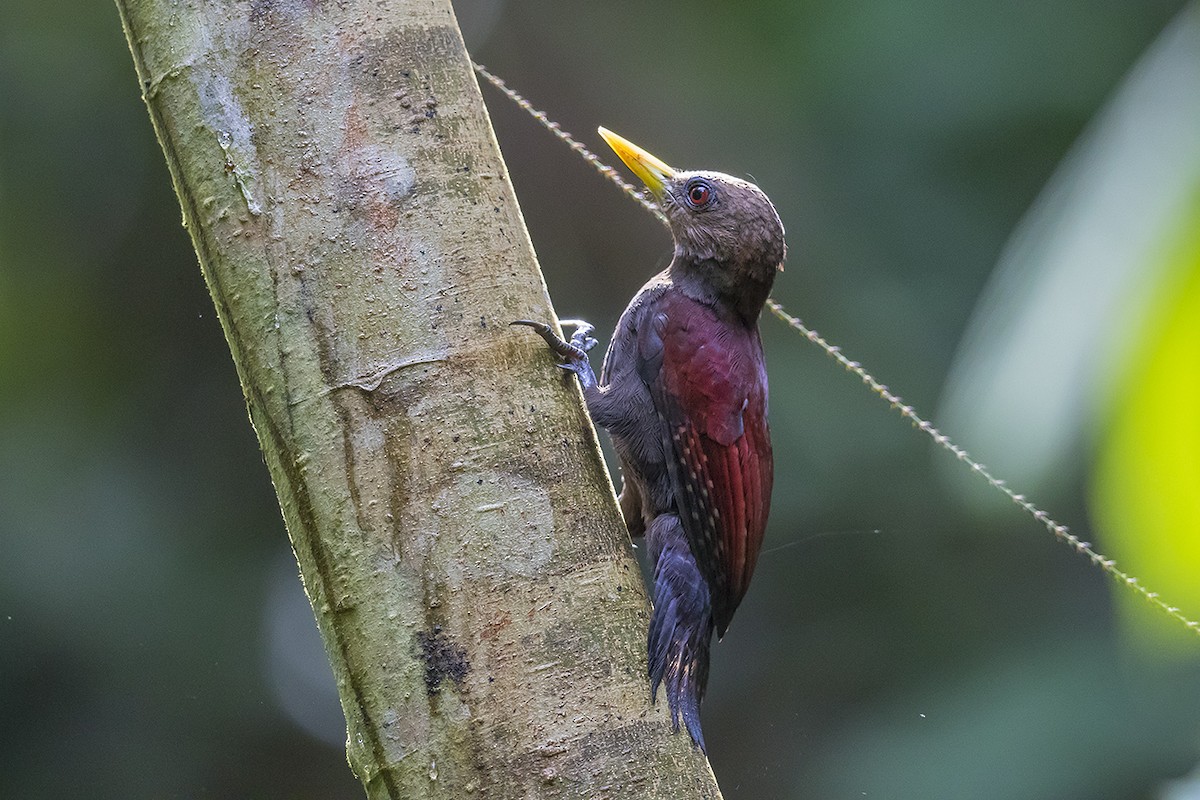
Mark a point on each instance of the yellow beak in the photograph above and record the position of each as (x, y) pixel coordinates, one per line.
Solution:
(652, 170)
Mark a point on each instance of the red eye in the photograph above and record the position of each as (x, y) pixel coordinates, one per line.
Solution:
(699, 194)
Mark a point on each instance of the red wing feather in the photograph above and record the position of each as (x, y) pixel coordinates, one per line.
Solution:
(711, 391)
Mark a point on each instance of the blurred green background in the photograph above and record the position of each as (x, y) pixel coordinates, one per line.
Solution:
(906, 636)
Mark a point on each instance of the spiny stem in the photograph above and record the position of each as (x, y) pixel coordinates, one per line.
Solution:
(1060, 531)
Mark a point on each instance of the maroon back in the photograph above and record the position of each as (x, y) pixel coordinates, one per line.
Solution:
(711, 391)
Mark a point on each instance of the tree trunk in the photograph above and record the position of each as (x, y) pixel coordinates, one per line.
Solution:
(441, 483)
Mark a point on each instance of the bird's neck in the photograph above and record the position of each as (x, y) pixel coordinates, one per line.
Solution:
(740, 289)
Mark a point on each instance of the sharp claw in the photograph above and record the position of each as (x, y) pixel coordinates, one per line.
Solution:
(543, 330)
(567, 350)
(540, 327)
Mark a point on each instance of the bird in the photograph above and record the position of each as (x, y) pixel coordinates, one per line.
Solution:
(683, 394)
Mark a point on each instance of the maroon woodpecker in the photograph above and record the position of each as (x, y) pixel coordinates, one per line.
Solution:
(683, 392)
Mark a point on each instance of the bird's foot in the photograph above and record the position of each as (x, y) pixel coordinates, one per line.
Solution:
(582, 338)
(574, 353)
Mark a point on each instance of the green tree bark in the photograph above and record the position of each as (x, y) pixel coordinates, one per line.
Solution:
(445, 497)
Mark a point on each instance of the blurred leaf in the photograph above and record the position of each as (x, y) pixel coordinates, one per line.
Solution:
(1091, 325)
(1079, 273)
(1146, 490)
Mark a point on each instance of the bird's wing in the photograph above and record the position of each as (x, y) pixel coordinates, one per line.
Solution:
(710, 389)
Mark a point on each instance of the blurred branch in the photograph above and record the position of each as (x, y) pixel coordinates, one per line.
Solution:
(443, 490)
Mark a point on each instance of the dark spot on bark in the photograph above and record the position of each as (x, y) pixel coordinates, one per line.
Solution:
(443, 659)
(259, 9)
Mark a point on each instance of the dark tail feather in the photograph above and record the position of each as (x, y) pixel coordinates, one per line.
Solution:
(681, 627)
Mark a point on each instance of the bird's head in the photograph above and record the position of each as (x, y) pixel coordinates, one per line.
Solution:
(714, 217)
